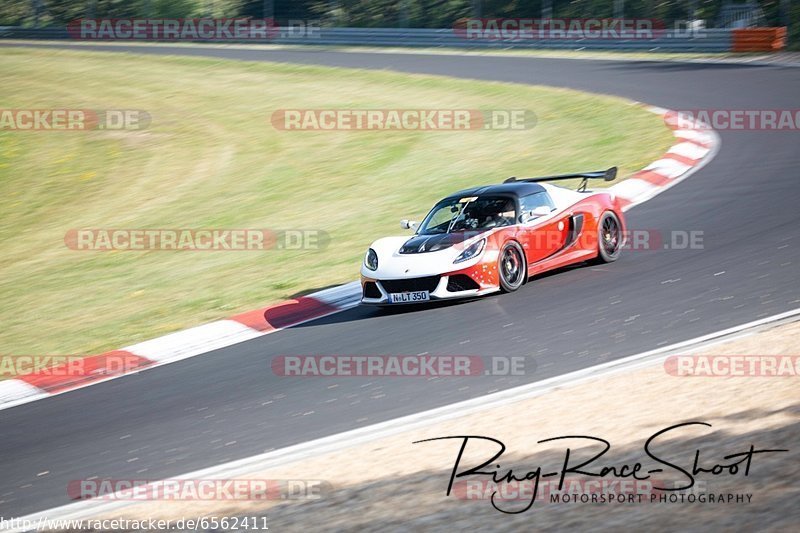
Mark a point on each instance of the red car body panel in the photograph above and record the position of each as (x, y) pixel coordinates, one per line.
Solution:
(567, 237)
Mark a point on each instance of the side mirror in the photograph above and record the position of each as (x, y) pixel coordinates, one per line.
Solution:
(408, 224)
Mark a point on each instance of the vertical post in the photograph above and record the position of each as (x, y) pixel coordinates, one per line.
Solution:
(619, 9)
(547, 9)
(340, 16)
(404, 18)
(35, 5)
(786, 18)
(477, 9)
(784, 13)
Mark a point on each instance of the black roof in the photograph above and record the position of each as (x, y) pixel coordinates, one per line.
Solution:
(519, 188)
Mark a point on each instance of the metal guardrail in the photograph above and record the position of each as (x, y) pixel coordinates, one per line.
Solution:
(707, 40)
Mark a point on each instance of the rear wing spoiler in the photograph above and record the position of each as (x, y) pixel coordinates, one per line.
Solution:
(606, 175)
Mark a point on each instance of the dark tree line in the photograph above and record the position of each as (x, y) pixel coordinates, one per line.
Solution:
(385, 13)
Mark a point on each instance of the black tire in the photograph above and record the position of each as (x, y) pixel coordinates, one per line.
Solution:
(511, 267)
(609, 237)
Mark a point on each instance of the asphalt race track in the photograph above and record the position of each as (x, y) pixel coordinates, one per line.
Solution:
(228, 404)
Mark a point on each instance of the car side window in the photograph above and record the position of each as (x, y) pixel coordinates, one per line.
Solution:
(537, 199)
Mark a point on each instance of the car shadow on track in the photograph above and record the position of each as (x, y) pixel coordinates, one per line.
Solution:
(367, 312)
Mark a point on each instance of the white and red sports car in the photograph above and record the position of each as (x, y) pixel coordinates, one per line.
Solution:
(494, 237)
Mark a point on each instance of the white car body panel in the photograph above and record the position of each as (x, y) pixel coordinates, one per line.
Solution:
(393, 265)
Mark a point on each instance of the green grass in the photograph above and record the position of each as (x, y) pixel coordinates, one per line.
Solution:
(211, 159)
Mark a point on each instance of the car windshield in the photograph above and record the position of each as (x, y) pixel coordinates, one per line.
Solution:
(469, 213)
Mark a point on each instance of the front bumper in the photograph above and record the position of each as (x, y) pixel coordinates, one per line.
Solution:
(376, 292)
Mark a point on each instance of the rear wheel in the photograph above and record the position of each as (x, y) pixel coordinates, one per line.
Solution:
(609, 237)
(511, 266)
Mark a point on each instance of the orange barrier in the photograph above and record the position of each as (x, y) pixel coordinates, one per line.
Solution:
(759, 39)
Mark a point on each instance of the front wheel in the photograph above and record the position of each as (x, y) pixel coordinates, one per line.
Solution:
(609, 237)
(511, 266)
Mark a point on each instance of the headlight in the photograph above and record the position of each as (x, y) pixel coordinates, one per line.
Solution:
(471, 252)
(371, 260)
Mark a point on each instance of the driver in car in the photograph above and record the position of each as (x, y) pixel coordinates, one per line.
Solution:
(502, 217)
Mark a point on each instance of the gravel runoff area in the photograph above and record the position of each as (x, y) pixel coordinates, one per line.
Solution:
(392, 484)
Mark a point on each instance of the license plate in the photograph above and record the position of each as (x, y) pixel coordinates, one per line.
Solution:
(409, 297)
